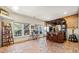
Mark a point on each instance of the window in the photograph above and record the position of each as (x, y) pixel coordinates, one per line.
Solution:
(23, 29)
(26, 29)
(34, 29)
(17, 29)
(39, 29)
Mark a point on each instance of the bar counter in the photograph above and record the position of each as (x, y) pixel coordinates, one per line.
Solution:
(55, 36)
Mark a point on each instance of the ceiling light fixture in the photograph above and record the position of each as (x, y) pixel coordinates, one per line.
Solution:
(65, 12)
(15, 8)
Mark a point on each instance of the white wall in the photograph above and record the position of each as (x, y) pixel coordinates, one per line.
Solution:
(25, 19)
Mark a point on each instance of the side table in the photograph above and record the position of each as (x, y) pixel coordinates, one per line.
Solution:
(73, 38)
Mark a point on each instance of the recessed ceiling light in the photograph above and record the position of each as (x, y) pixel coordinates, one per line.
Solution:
(15, 8)
(65, 12)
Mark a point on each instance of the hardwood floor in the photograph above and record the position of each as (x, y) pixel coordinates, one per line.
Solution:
(41, 46)
(67, 47)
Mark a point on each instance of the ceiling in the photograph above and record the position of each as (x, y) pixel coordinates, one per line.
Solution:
(46, 13)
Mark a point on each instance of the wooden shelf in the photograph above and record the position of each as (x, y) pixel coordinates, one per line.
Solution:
(7, 37)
